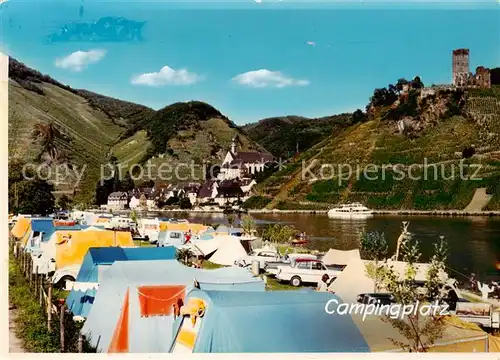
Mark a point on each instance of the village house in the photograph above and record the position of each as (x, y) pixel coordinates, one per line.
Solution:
(229, 192)
(208, 191)
(142, 199)
(117, 200)
(247, 185)
(191, 192)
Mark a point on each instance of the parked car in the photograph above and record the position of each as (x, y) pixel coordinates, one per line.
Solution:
(305, 271)
(271, 267)
(261, 255)
(376, 298)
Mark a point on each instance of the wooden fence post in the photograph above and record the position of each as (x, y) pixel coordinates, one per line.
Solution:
(80, 343)
(49, 307)
(30, 271)
(36, 281)
(61, 324)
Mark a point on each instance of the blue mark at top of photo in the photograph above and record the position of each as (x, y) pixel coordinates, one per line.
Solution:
(73, 21)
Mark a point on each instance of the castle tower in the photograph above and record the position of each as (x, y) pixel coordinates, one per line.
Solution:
(460, 67)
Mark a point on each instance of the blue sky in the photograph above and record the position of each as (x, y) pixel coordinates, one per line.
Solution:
(253, 60)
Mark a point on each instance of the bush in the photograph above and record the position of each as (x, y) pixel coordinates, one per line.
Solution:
(256, 202)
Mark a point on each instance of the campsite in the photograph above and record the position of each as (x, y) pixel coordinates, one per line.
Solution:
(199, 289)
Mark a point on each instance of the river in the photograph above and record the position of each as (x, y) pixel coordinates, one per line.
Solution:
(473, 243)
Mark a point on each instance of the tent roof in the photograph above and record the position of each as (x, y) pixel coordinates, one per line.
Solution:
(152, 334)
(286, 321)
(340, 257)
(230, 249)
(72, 246)
(20, 227)
(380, 333)
(353, 280)
(98, 259)
(222, 229)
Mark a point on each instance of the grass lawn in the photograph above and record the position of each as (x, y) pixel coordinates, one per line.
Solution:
(142, 243)
(210, 265)
(274, 285)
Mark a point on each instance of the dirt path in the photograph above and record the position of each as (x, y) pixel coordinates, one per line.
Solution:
(479, 201)
(15, 345)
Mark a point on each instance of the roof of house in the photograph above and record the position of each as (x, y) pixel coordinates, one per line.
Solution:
(118, 194)
(252, 157)
(206, 189)
(230, 191)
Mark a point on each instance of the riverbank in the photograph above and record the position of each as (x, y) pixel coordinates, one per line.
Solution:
(450, 213)
(461, 213)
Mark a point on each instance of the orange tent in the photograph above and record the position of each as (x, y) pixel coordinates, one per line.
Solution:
(21, 227)
(71, 246)
(185, 227)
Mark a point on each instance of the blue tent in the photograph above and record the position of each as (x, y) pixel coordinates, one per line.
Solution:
(39, 226)
(151, 334)
(272, 321)
(98, 260)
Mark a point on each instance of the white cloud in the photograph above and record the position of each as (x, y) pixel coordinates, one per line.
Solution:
(312, 43)
(79, 60)
(266, 78)
(258, 1)
(167, 76)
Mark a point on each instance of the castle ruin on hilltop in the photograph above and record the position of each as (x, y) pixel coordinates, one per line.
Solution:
(462, 77)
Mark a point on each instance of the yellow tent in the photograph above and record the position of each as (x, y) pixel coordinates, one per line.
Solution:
(493, 343)
(185, 227)
(71, 246)
(20, 228)
(103, 220)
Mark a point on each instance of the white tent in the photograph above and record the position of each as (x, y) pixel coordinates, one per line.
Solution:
(229, 251)
(340, 257)
(353, 280)
(205, 247)
(93, 228)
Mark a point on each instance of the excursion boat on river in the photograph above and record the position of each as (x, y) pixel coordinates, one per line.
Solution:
(352, 210)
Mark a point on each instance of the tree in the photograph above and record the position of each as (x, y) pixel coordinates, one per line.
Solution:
(358, 116)
(230, 220)
(184, 256)
(46, 135)
(184, 203)
(64, 202)
(27, 192)
(373, 246)
(417, 83)
(133, 216)
(420, 333)
(248, 225)
(32, 197)
(401, 84)
(126, 183)
(278, 233)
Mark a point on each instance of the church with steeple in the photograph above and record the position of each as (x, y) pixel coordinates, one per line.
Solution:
(241, 165)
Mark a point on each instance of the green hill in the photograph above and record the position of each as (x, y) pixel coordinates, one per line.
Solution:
(439, 141)
(182, 133)
(54, 124)
(282, 135)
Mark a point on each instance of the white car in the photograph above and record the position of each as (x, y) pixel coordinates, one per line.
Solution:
(261, 255)
(305, 271)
